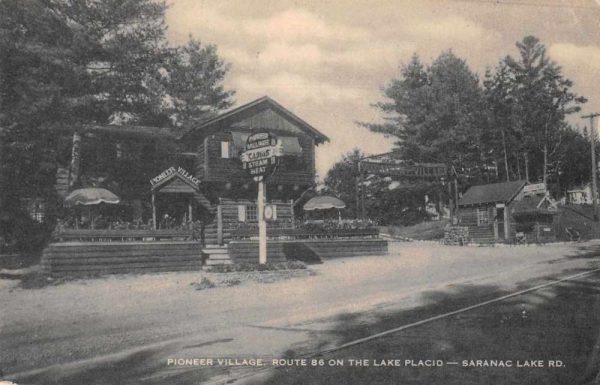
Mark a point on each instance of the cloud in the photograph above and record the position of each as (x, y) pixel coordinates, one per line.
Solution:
(576, 58)
(299, 89)
(449, 29)
(327, 60)
(300, 25)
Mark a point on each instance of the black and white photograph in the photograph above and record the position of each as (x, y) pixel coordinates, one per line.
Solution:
(299, 192)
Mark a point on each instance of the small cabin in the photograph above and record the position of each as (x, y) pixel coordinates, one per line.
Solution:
(487, 211)
(581, 195)
(535, 218)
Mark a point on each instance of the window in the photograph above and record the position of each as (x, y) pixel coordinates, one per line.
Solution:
(483, 218)
(251, 213)
(36, 208)
(247, 213)
(225, 150)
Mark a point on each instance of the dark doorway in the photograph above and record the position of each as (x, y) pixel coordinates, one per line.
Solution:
(500, 222)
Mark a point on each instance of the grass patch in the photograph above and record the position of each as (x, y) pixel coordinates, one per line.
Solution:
(204, 283)
(245, 267)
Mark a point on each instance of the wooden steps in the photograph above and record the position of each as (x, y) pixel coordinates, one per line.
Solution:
(210, 234)
(216, 255)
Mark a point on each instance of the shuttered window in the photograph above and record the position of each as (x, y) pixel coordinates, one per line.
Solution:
(247, 213)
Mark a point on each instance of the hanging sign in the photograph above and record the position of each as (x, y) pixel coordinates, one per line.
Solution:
(172, 170)
(534, 189)
(262, 155)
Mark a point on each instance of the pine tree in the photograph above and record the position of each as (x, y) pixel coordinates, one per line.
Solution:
(434, 112)
(543, 98)
(75, 62)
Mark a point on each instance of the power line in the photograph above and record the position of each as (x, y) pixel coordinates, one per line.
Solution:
(593, 145)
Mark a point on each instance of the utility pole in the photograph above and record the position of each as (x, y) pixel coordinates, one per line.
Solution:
(593, 144)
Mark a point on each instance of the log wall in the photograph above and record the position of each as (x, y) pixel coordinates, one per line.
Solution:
(307, 250)
(72, 258)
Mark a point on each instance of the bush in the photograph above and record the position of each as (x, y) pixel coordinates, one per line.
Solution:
(204, 283)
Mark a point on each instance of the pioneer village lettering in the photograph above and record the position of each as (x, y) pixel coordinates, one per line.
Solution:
(172, 170)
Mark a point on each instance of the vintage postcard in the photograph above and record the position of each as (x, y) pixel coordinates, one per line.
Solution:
(299, 192)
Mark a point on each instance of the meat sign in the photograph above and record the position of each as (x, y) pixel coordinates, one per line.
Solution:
(261, 156)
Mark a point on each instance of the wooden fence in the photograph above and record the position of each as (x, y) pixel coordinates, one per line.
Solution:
(125, 235)
(245, 233)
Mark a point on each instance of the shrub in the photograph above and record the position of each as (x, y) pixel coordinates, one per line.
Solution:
(270, 266)
(204, 283)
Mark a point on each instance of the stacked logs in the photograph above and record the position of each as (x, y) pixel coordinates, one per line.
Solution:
(456, 235)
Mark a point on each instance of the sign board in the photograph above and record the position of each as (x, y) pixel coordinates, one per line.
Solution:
(534, 189)
(261, 156)
(271, 212)
(172, 170)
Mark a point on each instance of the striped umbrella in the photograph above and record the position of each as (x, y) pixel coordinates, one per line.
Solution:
(91, 196)
(324, 202)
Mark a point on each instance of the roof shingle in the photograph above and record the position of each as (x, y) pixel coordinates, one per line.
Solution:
(490, 193)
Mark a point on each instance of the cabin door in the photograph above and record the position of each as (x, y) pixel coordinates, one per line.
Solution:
(499, 222)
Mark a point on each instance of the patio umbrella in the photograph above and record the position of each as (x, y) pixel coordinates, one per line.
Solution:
(324, 202)
(91, 196)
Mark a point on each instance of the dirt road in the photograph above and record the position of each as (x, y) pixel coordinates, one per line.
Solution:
(124, 329)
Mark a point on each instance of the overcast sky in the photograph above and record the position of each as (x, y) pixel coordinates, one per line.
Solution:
(328, 60)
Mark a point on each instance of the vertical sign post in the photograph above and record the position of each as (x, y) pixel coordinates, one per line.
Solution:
(260, 160)
(262, 224)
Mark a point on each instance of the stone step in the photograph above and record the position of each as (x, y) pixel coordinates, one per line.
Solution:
(214, 252)
(214, 246)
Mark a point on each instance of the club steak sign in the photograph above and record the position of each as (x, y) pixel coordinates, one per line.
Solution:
(172, 170)
(261, 156)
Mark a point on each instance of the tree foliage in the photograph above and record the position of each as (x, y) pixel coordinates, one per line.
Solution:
(73, 62)
(433, 111)
(342, 180)
(384, 199)
(512, 125)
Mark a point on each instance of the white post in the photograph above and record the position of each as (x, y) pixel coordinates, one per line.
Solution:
(262, 225)
(154, 227)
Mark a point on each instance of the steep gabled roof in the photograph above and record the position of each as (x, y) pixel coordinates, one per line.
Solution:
(123, 131)
(177, 176)
(226, 119)
(491, 193)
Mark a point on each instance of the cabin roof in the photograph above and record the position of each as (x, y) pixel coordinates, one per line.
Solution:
(226, 119)
(535, 205)
(122, 131)
(491, 193)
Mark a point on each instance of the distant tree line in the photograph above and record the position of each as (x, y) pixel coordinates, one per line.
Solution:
(509, 126)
